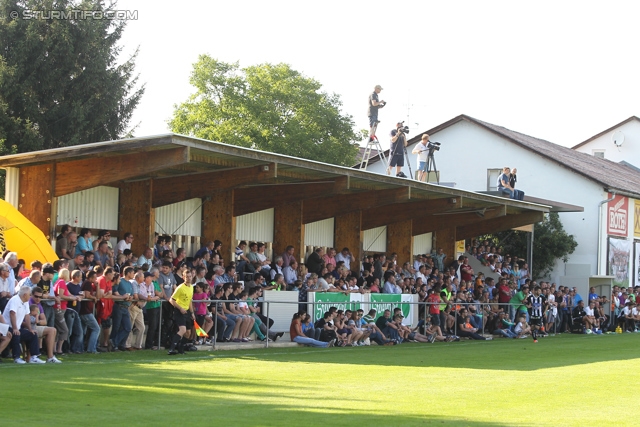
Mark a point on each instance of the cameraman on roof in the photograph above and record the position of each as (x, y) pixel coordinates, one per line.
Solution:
(398, 144)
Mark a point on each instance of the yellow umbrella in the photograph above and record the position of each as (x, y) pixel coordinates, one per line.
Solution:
(18, 234)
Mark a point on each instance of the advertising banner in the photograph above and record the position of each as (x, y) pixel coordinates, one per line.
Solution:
(334, 299)
(618, 260)
(636, 265)
(382, 302)
(636, 218)
(617, 216)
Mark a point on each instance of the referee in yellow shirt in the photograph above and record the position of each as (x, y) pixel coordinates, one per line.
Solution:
(183, 315)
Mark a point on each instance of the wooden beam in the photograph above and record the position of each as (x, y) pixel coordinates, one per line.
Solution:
(258, 198)
(329, 206)
(288, 228)
(400, 240)
(136, 214)
(439, 222)
(78, 175)
(348, 234)
(377, 217)
(36, 200)
(219, 222)
(446, 239)
(185, 187)
(498, 224)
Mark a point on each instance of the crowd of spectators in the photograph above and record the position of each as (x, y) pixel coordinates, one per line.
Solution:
(99, 298)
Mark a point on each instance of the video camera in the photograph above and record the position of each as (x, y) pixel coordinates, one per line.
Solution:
(433, 146)
(403, 129)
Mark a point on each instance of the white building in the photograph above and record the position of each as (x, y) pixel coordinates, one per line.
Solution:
(473, 152)
(619, 143)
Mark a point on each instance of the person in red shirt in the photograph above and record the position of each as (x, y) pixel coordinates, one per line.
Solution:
(105, 303)
(434, 305)
(504, 295)
(466, 271)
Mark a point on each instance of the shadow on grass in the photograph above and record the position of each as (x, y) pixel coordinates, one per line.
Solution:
(501, 353)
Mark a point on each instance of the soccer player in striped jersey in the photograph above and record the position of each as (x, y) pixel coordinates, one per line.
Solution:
(536, 304)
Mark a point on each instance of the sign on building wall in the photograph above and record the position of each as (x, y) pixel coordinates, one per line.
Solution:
(618, 261)
(636, 218)
(636, 264)
(617, 216)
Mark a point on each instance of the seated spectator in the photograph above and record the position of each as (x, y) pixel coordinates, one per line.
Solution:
(327, 328)
(504, 185)
(390, 286)
(591, 323)
(465, 329)
(125, 243)
(501, 326)
(522, 329)
(16, 315)
(298, 336)
(387, 326)
(39, 325)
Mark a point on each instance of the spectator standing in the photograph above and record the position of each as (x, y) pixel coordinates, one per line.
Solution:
(89, 322)
(125, 243)
(315, 263)
(346, 257)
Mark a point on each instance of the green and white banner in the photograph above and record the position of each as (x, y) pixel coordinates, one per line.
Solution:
(334, 299)
(382, 302)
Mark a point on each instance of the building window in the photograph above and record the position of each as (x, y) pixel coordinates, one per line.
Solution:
(598, 153)
(492, 179)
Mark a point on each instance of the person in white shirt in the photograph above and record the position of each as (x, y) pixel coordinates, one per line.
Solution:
(422, 151)
(16, 316)
(6, 289)
(589, 319)
(146, 259)
(346, 257)
(125, 243)
(11, 259)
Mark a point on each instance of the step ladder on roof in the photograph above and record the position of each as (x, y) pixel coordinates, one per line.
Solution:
(373, 144)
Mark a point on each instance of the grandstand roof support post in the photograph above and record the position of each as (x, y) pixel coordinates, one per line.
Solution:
(136, 214)
(288, 228)
(219, 222)
(36, 198)
(446, 239)
(400, 240)
(348, 234)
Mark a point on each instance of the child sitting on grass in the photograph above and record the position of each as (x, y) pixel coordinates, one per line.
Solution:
(522, 328)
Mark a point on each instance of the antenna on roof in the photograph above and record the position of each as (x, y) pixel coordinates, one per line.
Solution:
(618, 138)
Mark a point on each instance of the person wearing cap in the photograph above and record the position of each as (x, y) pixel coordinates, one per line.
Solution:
(374, 105)
(422, 151)
(396, 152)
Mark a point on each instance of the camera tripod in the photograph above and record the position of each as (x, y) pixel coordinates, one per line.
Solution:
(431, 167)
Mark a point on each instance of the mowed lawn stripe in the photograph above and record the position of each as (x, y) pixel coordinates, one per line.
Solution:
(564, 380)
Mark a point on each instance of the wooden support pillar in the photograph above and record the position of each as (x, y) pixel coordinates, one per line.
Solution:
(348, 234)
(136, 214)
(288, 228)
(446, 239)
(400, 240)
(36, 201)
(219, 222)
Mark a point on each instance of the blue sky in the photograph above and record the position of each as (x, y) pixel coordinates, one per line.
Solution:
(561, 71)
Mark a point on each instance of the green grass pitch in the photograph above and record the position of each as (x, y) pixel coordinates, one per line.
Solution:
(571, 380)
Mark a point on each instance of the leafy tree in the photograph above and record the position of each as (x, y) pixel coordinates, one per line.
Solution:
(550, 243)
(268, 107)
(60, 80)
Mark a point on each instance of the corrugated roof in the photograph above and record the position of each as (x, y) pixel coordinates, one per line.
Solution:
(605, 131)
(611, 175)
